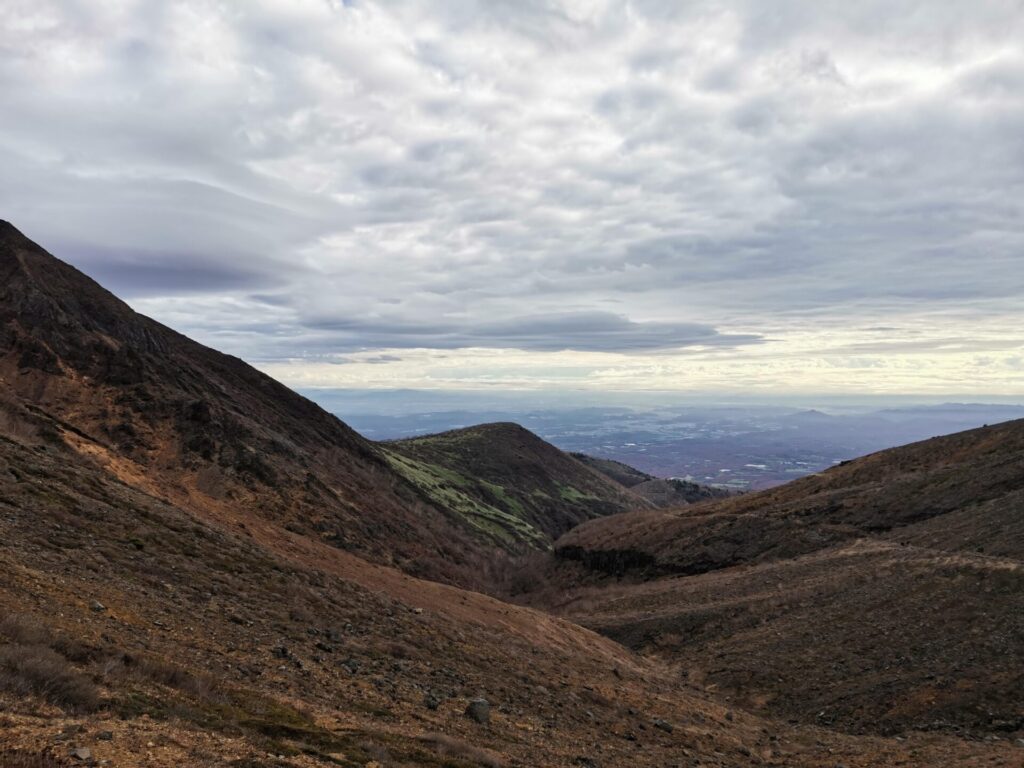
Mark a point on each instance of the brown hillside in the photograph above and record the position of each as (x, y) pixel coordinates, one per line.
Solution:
(202, 428)
(867, 637)
(152, 637)
(885, 595)
(621, 473)
(878, 493)
(184, 580)
(660, 492)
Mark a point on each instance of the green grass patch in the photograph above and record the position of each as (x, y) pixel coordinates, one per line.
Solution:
(574, 495)
(460, 495)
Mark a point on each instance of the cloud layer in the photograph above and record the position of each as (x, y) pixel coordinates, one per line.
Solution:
(307, 180)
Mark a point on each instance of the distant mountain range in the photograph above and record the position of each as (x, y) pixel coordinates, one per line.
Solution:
(740, 447)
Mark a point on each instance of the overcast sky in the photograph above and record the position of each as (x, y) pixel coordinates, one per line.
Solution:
(760, 196)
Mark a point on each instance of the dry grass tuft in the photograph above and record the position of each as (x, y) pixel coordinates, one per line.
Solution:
(446, 746)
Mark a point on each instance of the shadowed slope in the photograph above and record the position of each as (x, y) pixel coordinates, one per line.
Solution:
(180, 419)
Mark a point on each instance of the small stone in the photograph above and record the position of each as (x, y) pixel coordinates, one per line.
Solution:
(664, 725)
(98, 606)
(431, 701)
(81, 753)
(105, 735)
(479, 710)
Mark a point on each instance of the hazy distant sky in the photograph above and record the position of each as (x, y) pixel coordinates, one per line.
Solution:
(765, 195)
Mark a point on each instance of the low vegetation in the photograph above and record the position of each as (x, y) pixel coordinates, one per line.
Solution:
(446, 746)
(30, 667)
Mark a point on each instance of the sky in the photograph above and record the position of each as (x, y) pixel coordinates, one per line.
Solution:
(749, 196)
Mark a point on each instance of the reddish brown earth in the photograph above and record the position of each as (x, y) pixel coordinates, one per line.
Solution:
(196, 569)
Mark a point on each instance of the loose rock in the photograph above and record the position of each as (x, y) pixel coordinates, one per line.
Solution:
(479, 710)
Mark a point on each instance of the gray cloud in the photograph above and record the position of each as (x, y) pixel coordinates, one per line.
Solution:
(586, 331)
(633, 177)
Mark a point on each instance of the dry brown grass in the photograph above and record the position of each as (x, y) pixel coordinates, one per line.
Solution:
(29, 666)
(23, 630)
(35, 670)
(446, 746)
(19, 759)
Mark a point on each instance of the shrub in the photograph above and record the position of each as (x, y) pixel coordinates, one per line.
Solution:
(23, 630)
(162, 672)
(36, 670)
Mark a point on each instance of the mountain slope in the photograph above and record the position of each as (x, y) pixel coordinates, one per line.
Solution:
(212, 645)
(206, 430)
(507, 479)
(867, 636)
(883, 596)
(174, 591)
(661, 492)
(152, 637)
(618, 471)
(884, 491)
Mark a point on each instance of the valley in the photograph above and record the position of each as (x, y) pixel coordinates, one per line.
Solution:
(199, 566)
(741, 445)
